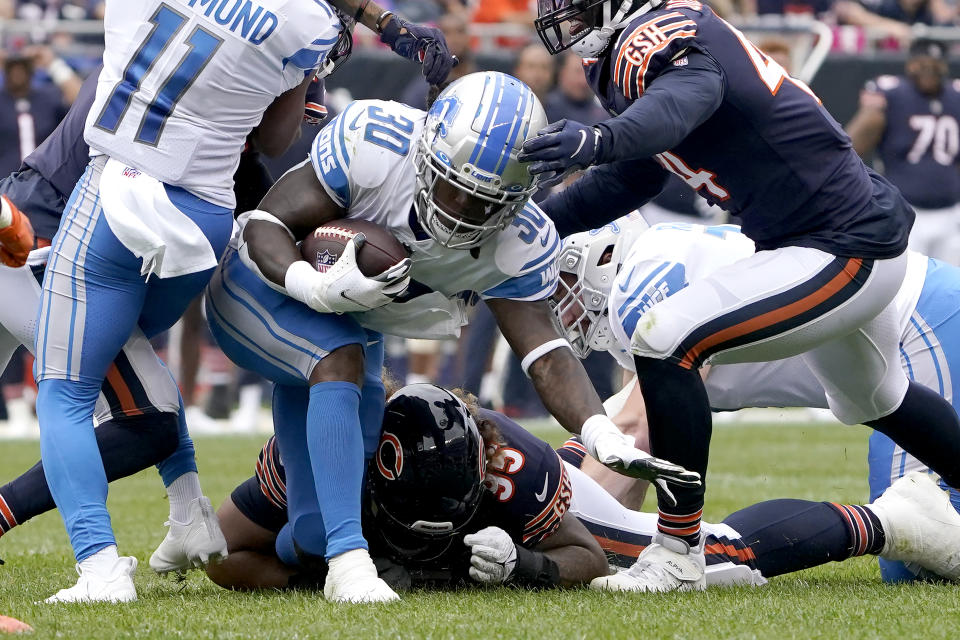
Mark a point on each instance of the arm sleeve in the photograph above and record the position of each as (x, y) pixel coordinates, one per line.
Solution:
(677, 101)
(603, 194)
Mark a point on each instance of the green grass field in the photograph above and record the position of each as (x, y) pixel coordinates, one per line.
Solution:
(749, 463)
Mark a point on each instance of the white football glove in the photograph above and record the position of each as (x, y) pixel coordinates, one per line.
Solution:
(615, 449)
(343, 288)
(493, 555)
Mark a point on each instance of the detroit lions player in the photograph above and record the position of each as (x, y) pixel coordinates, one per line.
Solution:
(152, 213)
(448, 185)
(541, 522)
(694, 97)
(611, 276)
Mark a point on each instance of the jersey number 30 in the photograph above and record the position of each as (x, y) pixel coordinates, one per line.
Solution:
(167, 23)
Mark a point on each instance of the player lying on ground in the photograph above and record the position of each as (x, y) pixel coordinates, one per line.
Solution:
(449, 187)
(537, 521)
(694, 97)
(611, 276)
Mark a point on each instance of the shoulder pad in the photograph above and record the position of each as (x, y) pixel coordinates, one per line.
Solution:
(526, 253)
(359, 148)
(887, 83)
(650, 43)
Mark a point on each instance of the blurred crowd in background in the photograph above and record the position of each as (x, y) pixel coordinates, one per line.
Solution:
(49, 46)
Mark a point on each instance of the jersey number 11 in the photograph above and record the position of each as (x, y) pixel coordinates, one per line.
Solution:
(167, 23)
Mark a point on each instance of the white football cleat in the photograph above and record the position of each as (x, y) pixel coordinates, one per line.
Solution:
(920, 525)
(114, 586)
(191, 545)
(668, 564)
(352, 577)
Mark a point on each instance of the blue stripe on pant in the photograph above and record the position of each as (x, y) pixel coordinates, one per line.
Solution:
(930, 353)
(93, 297)
(324, 431)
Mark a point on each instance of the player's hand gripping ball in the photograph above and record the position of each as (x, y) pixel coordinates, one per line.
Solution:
(364, 265)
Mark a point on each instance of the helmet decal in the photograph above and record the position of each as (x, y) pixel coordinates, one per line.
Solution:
(388, 439)
(445, 110)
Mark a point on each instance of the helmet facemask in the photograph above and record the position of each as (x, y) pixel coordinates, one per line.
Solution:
(458, 213)
(586, 26)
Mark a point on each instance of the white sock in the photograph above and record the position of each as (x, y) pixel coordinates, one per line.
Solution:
(181, 493)
(102, 562)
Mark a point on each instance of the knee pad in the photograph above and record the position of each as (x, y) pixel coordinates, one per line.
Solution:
(872, 404)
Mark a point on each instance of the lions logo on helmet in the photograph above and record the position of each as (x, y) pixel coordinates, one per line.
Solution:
(470, 183)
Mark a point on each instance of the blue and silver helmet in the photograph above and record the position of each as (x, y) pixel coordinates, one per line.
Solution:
(469, 181)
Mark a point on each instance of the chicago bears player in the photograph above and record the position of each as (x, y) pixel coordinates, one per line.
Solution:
(541, 522)
(694, 97)
(611, 276)
(911, 122)
(448, 185)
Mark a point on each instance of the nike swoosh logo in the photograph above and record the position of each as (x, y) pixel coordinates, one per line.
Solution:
(353, 125)
(543, 494)
(583, 139)
(544, 240)
(626, 282)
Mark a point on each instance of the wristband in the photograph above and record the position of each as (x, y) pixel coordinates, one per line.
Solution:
(541, 351)
(299, 280)
(535, 570)
(60, 71)
(594, 427)
(380, 20)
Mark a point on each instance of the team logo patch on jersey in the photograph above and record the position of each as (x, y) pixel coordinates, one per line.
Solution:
(390, 456)
(325, 260)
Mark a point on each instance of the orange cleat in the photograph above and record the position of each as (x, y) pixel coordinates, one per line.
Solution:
(16, 234)
(12, 625)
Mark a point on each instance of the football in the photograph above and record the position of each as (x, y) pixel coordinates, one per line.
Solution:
(324, 246)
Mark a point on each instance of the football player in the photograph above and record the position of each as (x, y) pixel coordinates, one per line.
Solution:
(611, 276)
(694, 97)
(449, 186)
(457, 494)
(156, 201)
(911, 122)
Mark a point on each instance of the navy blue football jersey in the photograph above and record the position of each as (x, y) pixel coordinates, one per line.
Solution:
(770, 153)
(528, 489)
(921, 140)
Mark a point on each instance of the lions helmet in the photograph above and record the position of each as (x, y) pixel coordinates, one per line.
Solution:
(586, 26)
(426, 479)
(470, 183)
(588, 263)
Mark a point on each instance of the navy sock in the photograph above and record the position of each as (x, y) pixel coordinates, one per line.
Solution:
(678, 415)
(788, 535)
(127, 445)
(926, 427)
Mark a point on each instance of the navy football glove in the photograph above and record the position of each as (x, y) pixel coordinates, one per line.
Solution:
(561, 148)
(422, 44)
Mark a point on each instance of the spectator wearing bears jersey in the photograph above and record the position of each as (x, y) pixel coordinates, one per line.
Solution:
(910, 124)
(692, 96)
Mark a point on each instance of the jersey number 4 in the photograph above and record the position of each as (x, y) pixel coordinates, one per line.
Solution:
(167, 23)
(769, 70)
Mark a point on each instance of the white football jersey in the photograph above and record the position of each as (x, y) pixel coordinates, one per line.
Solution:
(185, 81)
(667, 257)
(364, 159)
